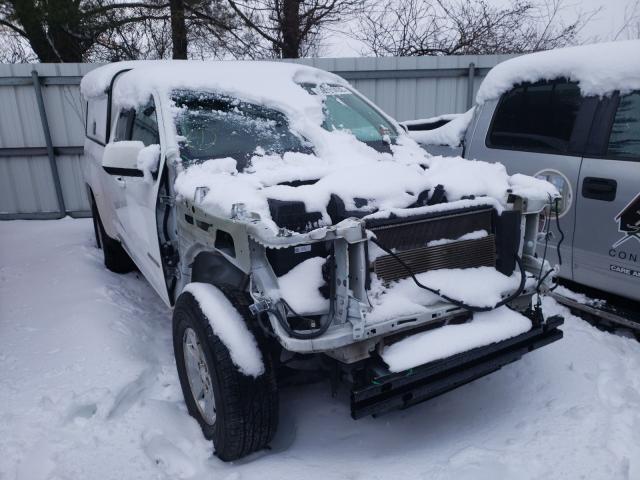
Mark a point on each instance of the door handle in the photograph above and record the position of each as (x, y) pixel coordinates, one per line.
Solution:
(599, 188)
(120, 182)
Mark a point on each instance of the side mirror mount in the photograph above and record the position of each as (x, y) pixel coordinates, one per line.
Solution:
(121, 158)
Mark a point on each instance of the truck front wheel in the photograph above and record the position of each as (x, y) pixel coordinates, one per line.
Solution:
(238, 412)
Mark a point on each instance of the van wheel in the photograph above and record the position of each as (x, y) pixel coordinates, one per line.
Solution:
(238, 412)
(115, 257)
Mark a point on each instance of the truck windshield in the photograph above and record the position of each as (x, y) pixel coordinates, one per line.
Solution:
(216, 126)
(345, 110)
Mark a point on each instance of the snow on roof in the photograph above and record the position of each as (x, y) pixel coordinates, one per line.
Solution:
(599, 69)
(275, 84)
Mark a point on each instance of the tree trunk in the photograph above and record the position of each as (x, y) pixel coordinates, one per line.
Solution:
(65, 29)
(31, 18)
(178, 29)
(290, 29)
(53, 29)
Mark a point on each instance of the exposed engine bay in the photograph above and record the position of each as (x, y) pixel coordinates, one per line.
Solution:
(361, 253)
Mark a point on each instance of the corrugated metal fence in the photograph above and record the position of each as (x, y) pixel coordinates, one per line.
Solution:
(41, 138)
(42, 119)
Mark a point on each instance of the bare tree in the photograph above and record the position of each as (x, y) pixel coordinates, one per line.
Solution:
(630, 27)
(455, 27)
(293, 28)
(108, 30)
(65, 30)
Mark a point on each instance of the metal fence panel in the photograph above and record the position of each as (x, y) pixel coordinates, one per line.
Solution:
(27, 180)
(406, 88)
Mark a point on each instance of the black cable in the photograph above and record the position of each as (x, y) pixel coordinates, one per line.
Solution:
(543, 278)
(297, 335)
(559, 241)
(540, 280)
(557, 200)
(263, 327)
(547, 235)
(471, 308)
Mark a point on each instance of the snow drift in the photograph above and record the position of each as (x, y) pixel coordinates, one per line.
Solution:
(88, 389)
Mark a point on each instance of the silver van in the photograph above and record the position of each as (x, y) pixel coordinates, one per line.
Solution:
(587, 145)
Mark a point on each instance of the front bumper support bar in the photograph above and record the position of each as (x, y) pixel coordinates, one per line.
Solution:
(385, 391)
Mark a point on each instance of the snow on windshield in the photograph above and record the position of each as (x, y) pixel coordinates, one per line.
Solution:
(599, 69)
(217, 126)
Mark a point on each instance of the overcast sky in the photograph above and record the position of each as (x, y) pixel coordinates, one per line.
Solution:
(605, 24)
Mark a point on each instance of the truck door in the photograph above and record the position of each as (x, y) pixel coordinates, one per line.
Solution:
(539, 129)
(138, 218)
(607, 235)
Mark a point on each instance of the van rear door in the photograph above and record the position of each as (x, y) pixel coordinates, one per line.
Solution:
(606, 246)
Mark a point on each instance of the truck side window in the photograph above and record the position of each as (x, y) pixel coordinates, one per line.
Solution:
(145, 125)
(624, 139)
(536, 117)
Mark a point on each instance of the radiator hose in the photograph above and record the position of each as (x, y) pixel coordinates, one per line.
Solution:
(458, 303)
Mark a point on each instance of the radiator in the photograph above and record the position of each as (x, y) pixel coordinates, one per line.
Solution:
(408, 239)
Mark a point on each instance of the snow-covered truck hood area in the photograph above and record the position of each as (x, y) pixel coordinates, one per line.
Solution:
(363, 177)
(89, 390)
(386, 184)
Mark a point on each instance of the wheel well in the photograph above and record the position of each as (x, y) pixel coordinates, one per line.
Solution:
(213, 268)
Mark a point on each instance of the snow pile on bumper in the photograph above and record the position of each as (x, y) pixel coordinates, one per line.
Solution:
(485, 328)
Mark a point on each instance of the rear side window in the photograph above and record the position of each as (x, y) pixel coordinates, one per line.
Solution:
(624, 139)
(537, 117)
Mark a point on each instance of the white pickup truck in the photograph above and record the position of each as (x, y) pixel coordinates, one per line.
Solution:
(290, 223)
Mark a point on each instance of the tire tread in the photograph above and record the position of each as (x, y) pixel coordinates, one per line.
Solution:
(248, 410)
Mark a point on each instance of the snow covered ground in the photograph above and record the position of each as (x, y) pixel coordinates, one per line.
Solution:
(88, 390)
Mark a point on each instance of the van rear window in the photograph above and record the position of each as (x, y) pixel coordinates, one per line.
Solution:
(536, 117)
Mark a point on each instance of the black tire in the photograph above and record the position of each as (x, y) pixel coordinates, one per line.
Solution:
(96, 228)
(116, 258)
(246, 407)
